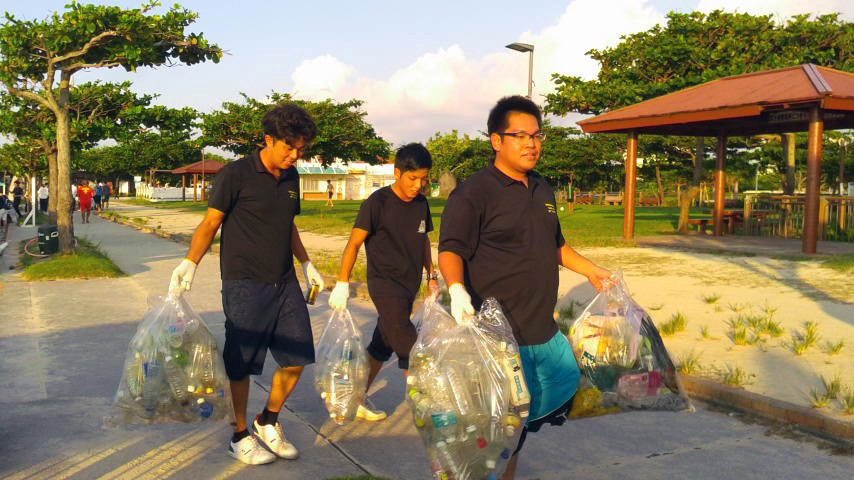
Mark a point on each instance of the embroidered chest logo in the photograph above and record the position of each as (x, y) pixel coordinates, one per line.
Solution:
(550, 208)
(292, 194)
(422, 227)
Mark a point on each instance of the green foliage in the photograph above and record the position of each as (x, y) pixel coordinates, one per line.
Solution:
(689, 364)
(712, 298)
(739, 336)
(801, 341)
(735, 376)
(847, 400)
(461, 156)
(834, 348)
(818, 399)
(89, 262)
(842, 263)
(677, 323)
(342, 132)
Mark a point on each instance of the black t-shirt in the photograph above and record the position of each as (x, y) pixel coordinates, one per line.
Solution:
(507, 236)
(259, 209)
(397, 232)
(17, 194)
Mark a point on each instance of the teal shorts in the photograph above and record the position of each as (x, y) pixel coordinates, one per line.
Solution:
(551, 374)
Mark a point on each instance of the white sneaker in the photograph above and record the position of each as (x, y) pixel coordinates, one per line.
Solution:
(366, 413)
(250, 451)
(274, 439)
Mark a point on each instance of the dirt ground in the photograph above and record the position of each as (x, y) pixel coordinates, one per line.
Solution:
(668, 282)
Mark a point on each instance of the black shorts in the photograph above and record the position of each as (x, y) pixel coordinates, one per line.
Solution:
(394, 332)
(557, 418)
(329, 194)
(261, 316)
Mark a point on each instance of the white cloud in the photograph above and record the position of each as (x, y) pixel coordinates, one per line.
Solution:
(782, 9)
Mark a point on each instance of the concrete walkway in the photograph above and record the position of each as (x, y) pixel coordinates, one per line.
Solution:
(62, 345)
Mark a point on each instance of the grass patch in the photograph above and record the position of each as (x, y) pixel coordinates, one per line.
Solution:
(772, 328)
(846, 398)
(704, 332)
(834, 348)
(736, 307)
(711, 299)
(801, 341)
(832, 386)
(656, 308)
(739, 336)
(676, 324)
(818, 399)
(735, 376)
(566, 315)
(689, 364)
(88, 262)
(329, 263)
(841, 263)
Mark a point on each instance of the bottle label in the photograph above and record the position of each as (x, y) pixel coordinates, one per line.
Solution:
(441, 420)
(518, 390)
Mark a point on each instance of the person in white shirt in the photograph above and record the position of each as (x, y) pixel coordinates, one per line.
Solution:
(43, 193)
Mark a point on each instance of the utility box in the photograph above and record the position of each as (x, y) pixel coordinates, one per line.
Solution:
(48, 239)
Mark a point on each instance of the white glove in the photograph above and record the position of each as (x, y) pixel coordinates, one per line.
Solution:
(182, 277)
(340, 294)
(461, 307)
(312, 276)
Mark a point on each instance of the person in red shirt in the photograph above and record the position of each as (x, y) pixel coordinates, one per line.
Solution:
(84, 195)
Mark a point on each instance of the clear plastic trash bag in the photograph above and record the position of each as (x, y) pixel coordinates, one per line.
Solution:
(467, 392)
(341, 373)
(622, 358)
(173, 371)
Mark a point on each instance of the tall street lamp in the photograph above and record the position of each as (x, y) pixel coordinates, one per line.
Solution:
(525, 47)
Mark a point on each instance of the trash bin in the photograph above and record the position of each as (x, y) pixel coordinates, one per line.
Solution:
(48, 239)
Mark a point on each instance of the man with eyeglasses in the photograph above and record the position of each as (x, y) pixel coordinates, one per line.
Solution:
(500, 237)
(255, 199)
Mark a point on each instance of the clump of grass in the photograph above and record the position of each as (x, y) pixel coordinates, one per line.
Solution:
(772, 327)
(736, 307)
(739, 336)
(832, 386)
(711, 299)
(656, 308)
(718, 308)
(801, 341)
(689, 364)
(704, 332)
(568, 311)
(768, 310)
(818, 399)
(89, 261)
(847, 400)
(735, 376)
(139, 220)
(676, 324)
(735, 323)
(755, 322)
(832, 348)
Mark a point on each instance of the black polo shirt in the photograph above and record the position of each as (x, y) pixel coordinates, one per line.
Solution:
(397, 232)
(507, 235)
(255, 243)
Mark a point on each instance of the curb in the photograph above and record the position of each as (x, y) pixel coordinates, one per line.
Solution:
(804, 418)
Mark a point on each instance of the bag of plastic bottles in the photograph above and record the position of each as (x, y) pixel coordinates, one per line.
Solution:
(467, 392)
(622, 358)
(341, 373)
(173, 371)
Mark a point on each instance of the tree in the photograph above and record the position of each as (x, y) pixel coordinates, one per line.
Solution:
(97, 111)
(458, 155)
(342, 132)
(83, 37)
(693, 48)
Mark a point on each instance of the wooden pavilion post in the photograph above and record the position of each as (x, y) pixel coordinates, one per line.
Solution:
(814, 138)
(631, 180)
(203, 176)
(720, 184)
(183, 187)
(194, 187)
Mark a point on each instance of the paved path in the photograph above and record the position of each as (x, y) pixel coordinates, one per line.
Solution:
(62, 345)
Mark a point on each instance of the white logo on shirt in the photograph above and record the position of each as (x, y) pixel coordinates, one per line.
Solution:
(422, 227)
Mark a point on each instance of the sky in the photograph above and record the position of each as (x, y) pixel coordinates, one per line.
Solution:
(420, 67)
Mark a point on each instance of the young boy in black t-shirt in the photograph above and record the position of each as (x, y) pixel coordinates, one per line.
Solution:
(393, 223)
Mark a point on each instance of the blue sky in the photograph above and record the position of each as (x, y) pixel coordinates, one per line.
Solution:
(421, 67)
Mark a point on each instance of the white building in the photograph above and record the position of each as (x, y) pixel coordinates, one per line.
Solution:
(352, 181)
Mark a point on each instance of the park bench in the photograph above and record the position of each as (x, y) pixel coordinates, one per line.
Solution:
(701, 224)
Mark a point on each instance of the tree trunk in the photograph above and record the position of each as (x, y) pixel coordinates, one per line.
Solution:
(687, 199)
(53, 191)
(65, 225)
(788, 141)
(660, 188)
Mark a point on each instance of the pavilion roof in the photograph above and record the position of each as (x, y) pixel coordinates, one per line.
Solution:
(207, 166)
(770, 101)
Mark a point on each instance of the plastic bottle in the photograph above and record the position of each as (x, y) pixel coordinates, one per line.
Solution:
(134, 376)
(511, 363)
(459, 394)
(151, 386)
(448, 459)
(176, 379)
(175, 332)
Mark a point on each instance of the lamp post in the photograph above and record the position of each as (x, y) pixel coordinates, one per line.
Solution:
(525, 47)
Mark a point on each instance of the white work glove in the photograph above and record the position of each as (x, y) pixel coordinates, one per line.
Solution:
(312, 276)
(461, 307)
(340, 294)
(182, 277)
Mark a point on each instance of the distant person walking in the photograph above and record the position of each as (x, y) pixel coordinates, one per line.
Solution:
(17, 196)
(330, 192)
(99, 189)
(105, 195)
(85, 194)
(43, 193)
